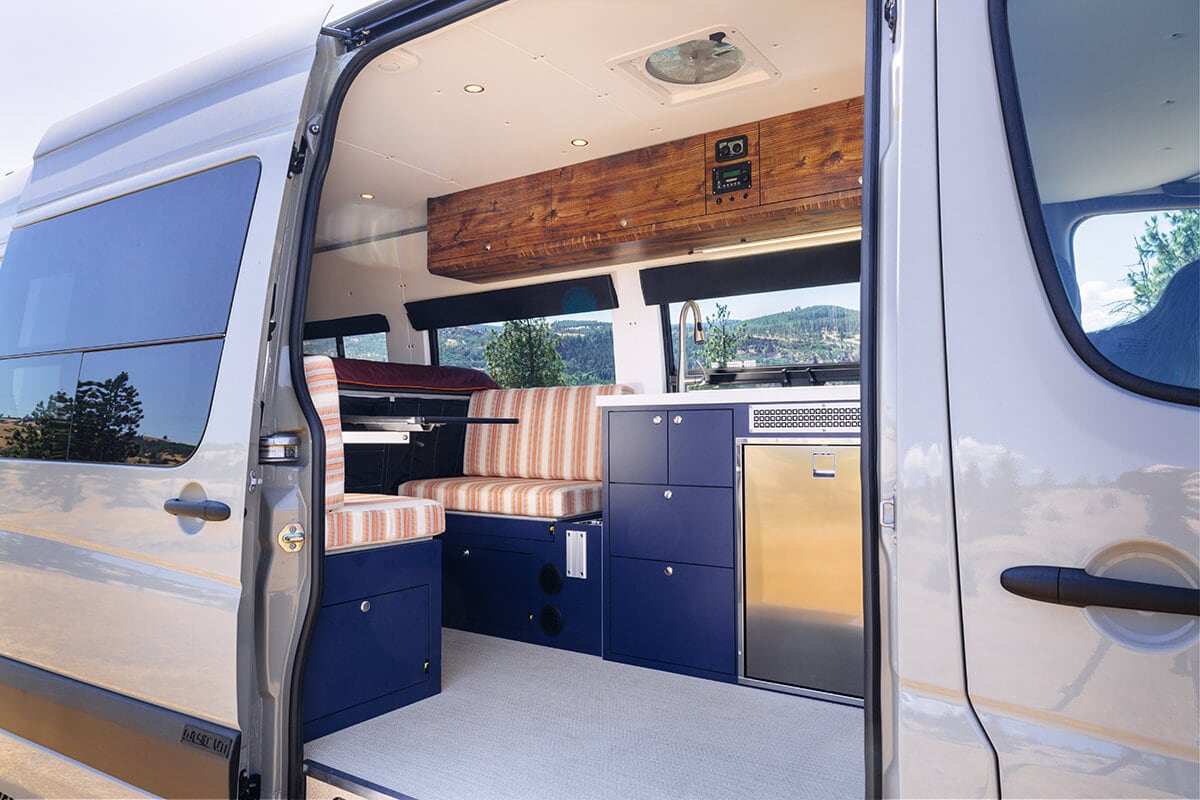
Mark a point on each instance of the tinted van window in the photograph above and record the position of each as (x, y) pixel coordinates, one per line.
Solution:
(149, 268)
(156, 264)
(1106, 146)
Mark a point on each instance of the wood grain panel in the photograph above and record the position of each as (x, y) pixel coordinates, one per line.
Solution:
(728, 202)
(631, 190)
(491, 220)
(678, 237)
(812, 152)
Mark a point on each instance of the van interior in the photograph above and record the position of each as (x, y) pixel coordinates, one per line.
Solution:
(616, 159)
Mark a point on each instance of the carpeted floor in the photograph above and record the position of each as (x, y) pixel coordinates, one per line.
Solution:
(531, 723)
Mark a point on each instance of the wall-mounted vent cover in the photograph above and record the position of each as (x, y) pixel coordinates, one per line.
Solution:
(806, 418)
(706, 62)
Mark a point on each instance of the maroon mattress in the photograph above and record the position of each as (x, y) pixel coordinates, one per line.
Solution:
(383, 375)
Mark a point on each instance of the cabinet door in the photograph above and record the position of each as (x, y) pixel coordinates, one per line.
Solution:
(675, 613)
(700, 452)
(484, 586)
(637, 446)
(622, 192)
(366, 648)
(812, 152)
(684, 523)
(490, 221)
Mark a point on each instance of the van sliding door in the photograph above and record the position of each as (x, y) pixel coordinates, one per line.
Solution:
(135, 310)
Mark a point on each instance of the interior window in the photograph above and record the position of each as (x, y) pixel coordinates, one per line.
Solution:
(566, 350)
(815, 325)
(1119, 195)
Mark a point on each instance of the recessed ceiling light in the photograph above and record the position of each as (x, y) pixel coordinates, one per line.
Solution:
(472, 88)
(367, 196)
(579, 142)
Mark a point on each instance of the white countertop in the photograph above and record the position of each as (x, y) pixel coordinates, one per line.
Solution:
(722, 397)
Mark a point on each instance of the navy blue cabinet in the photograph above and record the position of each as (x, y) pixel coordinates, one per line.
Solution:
(677, 614)
(377, 643)
(693, 524)
(669, 523)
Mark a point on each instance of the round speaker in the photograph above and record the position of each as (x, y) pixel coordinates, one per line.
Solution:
(550, 579)
(551, 620)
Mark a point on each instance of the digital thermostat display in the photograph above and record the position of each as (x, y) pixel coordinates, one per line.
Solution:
(731, 178)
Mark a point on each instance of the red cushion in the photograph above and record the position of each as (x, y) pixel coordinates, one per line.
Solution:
(386, 375)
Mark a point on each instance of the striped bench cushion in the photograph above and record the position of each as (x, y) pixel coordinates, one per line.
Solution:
(510, 496)
(322, 386)
(368, 519)
(558, 437)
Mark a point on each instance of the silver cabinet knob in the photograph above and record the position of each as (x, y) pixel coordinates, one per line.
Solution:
(668, 571)
(678, 420)
(466, 553)
(365, 606)
(667, 494)
(487, 246)
(657, 420)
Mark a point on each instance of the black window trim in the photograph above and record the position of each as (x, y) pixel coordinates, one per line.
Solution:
(1039, 240)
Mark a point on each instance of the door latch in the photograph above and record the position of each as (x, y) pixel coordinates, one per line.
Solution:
(291, 537)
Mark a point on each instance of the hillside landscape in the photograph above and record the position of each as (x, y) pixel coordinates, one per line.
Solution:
(812, 335)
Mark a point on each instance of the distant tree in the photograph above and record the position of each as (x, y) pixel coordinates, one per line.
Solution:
(723, 338)
(108, 416)
(1160, 255)
(524, 354)
(44, 433)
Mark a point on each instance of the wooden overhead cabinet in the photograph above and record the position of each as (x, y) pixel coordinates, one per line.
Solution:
(658, 201)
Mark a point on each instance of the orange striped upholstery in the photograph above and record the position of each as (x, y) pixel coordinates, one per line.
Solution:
(381, 518)
(322, 386)
(520, 497)
(360, 519)
(558, 437)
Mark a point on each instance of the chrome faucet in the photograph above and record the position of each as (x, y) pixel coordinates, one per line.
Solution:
(697, 337)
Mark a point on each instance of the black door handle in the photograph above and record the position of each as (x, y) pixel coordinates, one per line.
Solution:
(1068, 586)
(211, 510)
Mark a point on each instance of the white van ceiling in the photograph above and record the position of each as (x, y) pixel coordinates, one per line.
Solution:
(551, 73)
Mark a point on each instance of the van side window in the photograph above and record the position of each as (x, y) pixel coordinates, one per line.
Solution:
(1110, 186)
(156, 270)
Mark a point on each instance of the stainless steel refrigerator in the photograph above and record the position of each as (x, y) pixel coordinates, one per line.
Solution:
(802, 618)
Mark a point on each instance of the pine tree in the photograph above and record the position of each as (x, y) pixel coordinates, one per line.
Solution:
(523, 354)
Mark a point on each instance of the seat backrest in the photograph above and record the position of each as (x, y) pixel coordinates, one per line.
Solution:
(323, 387)
(558, 437)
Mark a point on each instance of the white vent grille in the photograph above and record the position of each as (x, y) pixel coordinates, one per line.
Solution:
(806, 418)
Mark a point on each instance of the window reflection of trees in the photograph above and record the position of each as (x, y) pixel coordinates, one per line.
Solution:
(102, 422)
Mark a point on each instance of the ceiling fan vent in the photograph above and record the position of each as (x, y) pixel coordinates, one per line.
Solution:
(700, 64)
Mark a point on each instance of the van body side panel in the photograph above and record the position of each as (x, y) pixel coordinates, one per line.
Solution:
(1055, 466)
(102, 588)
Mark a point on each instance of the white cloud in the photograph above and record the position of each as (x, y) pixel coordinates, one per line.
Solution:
(1096, 297)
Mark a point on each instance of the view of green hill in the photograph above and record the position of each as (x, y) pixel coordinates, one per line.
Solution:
(812, 335)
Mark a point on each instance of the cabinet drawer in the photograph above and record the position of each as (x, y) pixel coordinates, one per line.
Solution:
(700, 447)
(637, 446)
(693, 524)
(367, 648)
(675, 613)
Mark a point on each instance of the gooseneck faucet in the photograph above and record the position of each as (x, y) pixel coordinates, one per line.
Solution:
(697, 337)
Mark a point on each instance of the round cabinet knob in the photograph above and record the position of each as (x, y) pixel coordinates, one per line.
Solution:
(657, 420)
(667, 494)
(487, 246)
(466, 553)
(365, 606)
(624, 223)
(668, 571)
(678, 420)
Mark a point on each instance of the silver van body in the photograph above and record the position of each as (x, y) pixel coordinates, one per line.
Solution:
(154, 630)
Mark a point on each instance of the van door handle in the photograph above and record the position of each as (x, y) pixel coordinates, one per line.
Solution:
(211, 510)
(1068, 586)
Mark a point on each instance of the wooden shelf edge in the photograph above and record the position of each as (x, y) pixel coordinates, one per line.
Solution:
(678, 237)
